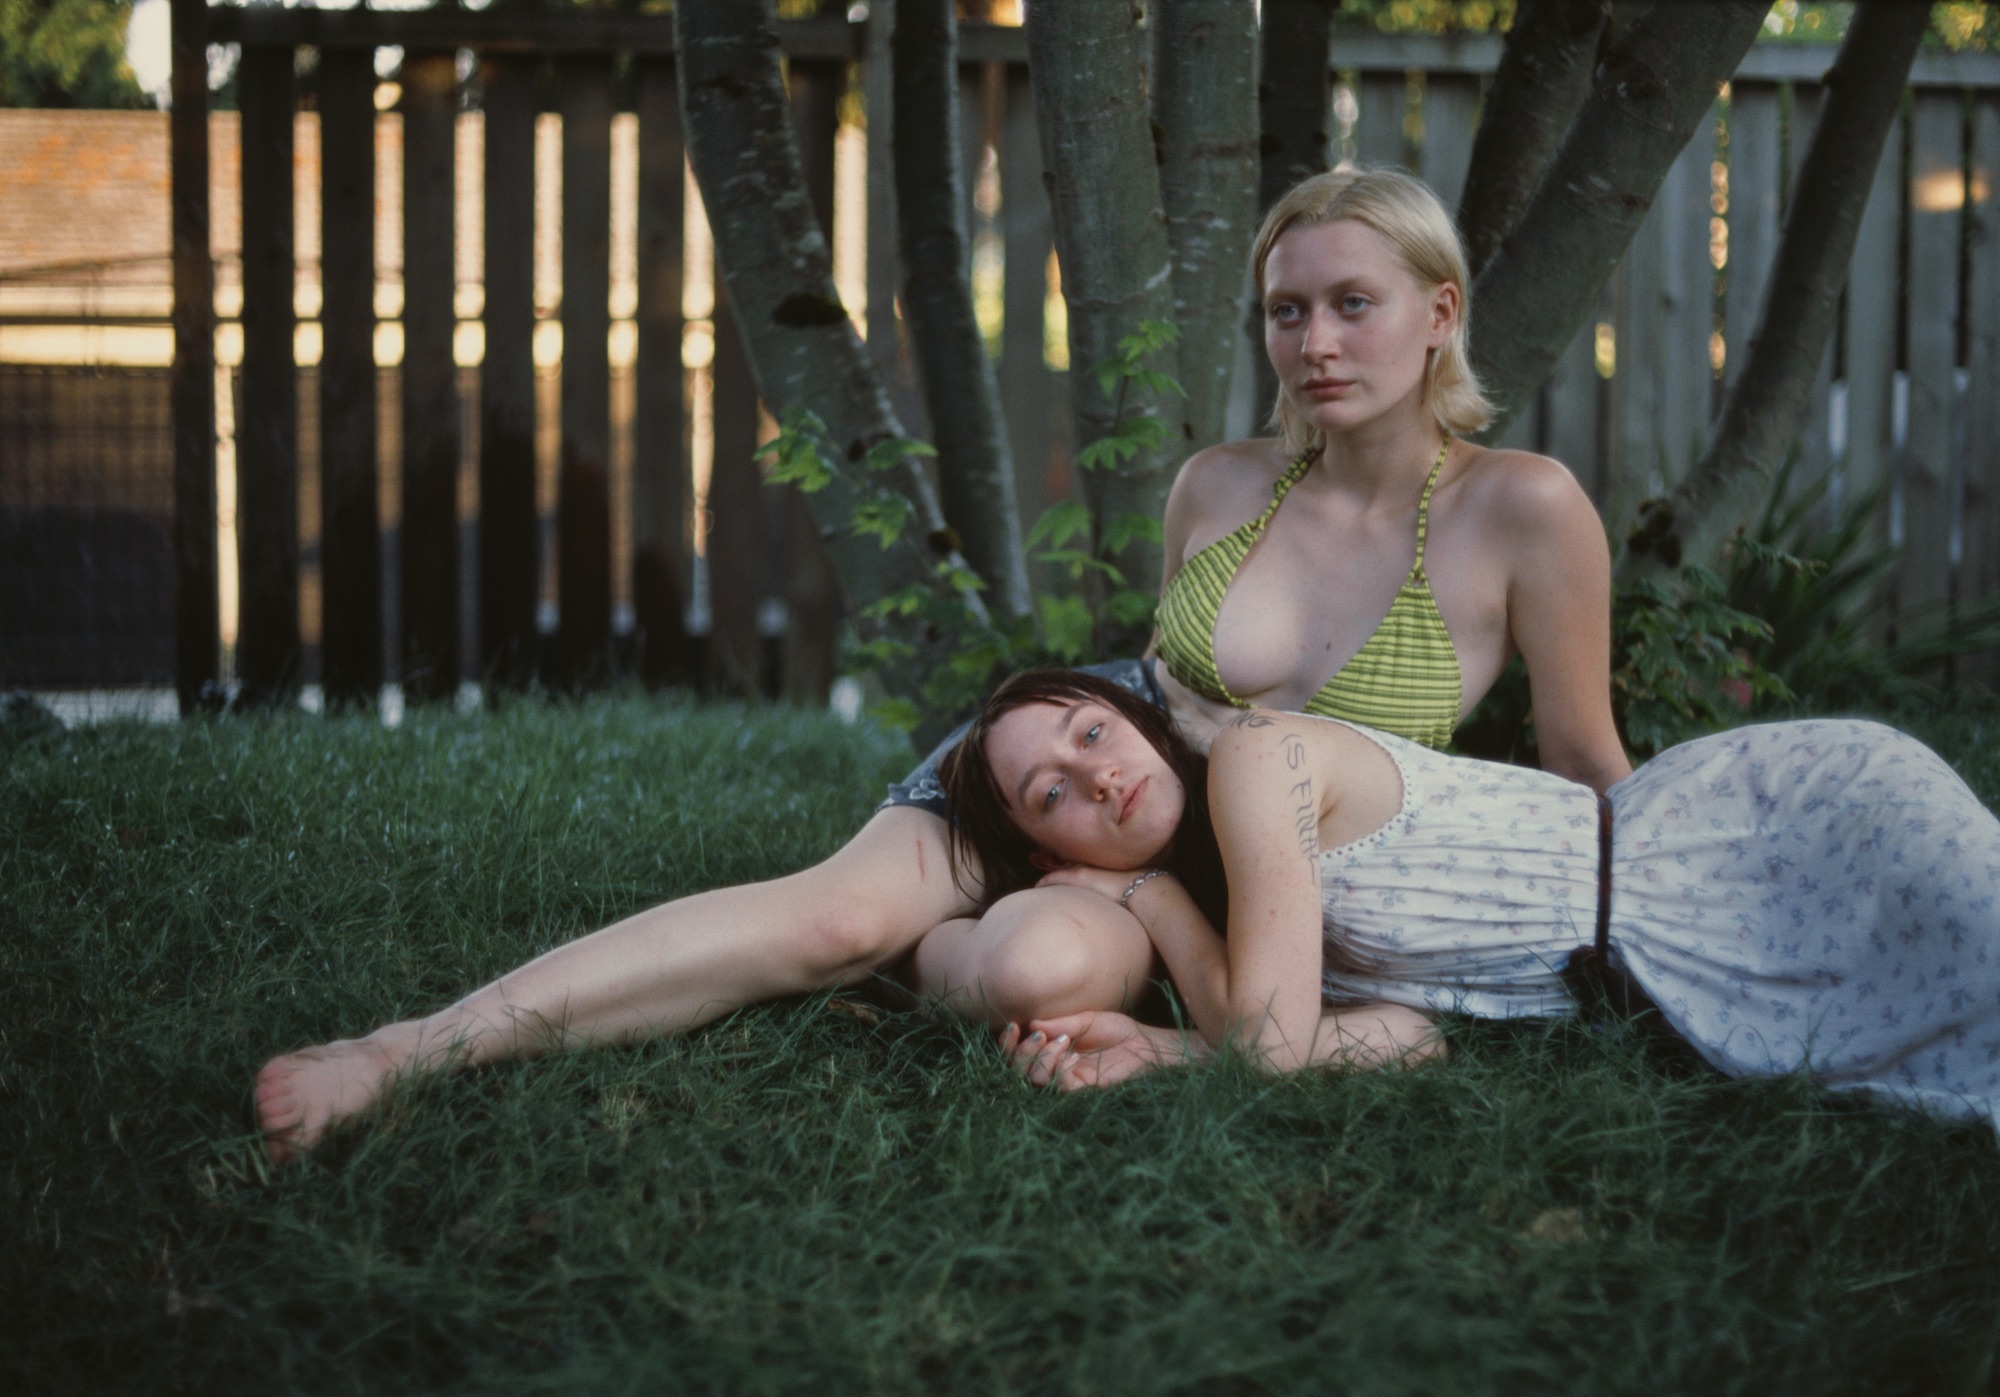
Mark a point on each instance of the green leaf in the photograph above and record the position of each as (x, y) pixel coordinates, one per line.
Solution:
(1060, 523)
(882, 516)
(893, 451)
(1067, 623)
(896, 714)
(1130, 608)
(1129, 528)
(904, 601)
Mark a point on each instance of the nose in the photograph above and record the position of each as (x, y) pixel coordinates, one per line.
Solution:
(1105, 778)
(1322, 339)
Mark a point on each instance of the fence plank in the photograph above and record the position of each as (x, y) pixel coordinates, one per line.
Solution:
(1378, 132)
(886, 342)
(661, 488)
(1572, 401)
(1687, 305)
(1034, 398)
(801, 572)
(267, 514)
(1636, 470)
(1754, 162)
(1928, 471)
(430, 659)
(583, 492)
(197, 579)
(509, 577)
(350, 538)
(1451, 107)
(1873, 294)
(1982, 465)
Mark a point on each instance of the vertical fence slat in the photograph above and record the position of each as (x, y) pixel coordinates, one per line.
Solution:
(660, 479)
(197, 581)
(1451, 103)
(1815, 455)
(1872, 293)
(1687, 304)
(1638, 434)
(583, 492)
(430, 661)
(801, 572)
(350, 539)
(1982, 435)
(267, 515)
(1754, 156)
(509, 575)
(1571, 400)
(1927, 471)
(1378, 131)
(885, 336)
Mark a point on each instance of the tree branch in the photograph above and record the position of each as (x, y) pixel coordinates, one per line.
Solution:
(1650, 91)
(1766, 405)
(975, 466)
(1204, 77)
(1543, 75)
(1111, 239)
(779, 272)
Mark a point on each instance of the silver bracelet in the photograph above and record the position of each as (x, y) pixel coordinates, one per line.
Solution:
(1136, 884)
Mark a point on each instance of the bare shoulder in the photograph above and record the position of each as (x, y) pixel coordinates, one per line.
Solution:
(1219, 476)
(1528, 498)
(1258, 732)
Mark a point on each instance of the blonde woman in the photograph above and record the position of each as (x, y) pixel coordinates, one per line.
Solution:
(1366, 564)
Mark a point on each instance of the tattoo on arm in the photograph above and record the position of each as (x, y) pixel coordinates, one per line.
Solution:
(1305, 814)
(1252, 720)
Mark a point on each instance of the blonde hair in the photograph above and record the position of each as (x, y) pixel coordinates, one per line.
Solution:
(1402, 209)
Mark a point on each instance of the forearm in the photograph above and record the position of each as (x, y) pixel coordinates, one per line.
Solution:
(1196, 956)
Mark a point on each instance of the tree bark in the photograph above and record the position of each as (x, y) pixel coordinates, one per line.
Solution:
(1651, 88)
(1543, 75)
(1204, 78)
(779, 272)
(1294, 102)
(1111, 241)
(975, 465)
(1766, 405)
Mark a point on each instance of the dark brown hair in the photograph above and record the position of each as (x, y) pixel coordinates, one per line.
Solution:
(984, 837)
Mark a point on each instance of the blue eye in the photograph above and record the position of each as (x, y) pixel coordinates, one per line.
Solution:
(1353, 304)
(1050, 799)
(1096, 731)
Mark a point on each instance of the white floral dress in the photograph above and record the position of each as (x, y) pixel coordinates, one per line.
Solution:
(1821, 895)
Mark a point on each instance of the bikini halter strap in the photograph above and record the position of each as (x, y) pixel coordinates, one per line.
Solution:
(1424, 505)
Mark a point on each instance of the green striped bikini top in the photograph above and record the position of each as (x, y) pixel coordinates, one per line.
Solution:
(1403, 680)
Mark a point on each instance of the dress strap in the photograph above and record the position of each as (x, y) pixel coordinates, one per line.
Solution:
(1424, 506)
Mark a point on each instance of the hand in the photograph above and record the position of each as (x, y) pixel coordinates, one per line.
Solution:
(1111, 882)
(1094, 1049)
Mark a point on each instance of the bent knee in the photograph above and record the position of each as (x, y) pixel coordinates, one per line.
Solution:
(1057, 952)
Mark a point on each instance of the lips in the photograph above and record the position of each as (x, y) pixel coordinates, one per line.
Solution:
(1131, 799)
(1318, 387)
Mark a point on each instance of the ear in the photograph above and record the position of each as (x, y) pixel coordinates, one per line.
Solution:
(1444, 313)
(1046, 862)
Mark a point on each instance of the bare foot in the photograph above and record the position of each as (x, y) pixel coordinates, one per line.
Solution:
(301, 1095)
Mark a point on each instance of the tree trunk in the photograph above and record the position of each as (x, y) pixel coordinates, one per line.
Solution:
(1204, 77)
(1294, 102)
(975, 467)
(1111, 241)
(779, 272)
(1543, 75)
(1766, 404)
(1650, 91)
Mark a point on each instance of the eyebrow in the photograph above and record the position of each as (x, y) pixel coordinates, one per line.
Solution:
(1027, 779)
(1345, 283)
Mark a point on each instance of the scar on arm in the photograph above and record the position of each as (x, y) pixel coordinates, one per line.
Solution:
(920, 858)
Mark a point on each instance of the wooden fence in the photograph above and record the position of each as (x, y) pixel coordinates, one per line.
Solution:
(1907, 399)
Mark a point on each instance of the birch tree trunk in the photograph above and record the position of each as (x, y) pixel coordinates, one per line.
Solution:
(975, 466)
(1204, 85)
(1766, 405)
(775, 261)
(1543, 75)
(1651, 88)
(1294, 106)
(1111, 240)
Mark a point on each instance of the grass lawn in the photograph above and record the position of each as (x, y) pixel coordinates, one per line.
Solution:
(814, 1197)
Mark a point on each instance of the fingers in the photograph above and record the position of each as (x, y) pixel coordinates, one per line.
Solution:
(1038, 1056)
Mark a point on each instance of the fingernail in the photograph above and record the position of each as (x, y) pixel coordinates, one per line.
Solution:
(1062, 1041)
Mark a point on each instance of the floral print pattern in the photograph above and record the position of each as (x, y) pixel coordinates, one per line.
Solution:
(1820, 896)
